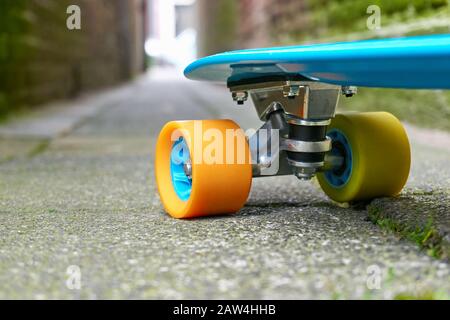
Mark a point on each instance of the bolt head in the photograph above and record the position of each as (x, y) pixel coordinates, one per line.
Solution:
(349, 91)
(187, 167)
(239, 96)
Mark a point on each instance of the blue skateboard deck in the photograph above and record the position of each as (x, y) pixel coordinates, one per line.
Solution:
(414, 62)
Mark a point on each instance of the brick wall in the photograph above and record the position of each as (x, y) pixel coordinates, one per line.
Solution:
(231, 24)
(264, 22)
(41, 60)
(217, 26)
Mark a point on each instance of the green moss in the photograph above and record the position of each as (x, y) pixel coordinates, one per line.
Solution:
(339, 17)
(41, 147)
(428, 108)
(426, 236)
(427, 295)
(336, 296)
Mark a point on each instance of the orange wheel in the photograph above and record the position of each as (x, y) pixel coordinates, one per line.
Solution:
(202, 168)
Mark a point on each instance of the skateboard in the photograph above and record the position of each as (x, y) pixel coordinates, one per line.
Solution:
(206, 167)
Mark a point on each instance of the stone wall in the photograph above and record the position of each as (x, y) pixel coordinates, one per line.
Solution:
(41, 60)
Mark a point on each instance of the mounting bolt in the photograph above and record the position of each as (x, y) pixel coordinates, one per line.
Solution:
(304, 173)
(291, 91)
(187, 167)
(240, 96)
(349, 91)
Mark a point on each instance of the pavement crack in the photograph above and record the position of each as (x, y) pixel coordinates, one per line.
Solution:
(407, 218)
(39, 148)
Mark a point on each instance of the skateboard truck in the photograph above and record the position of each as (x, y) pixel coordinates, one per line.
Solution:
(301, 112)
(355, 156)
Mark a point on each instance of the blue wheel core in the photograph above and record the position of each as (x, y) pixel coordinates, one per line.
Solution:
(340, 147)
(179, 156)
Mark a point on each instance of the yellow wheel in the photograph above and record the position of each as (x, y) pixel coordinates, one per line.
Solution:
(202, 168)
(376, 155)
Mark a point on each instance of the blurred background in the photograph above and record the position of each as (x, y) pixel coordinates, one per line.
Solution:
(42, 60)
